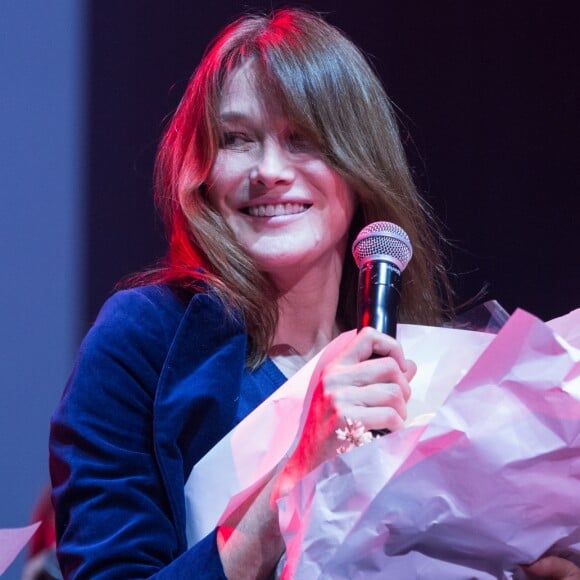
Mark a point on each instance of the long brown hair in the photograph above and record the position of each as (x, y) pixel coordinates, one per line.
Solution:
(328, 91)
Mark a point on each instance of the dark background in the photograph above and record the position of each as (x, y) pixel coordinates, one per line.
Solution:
(487, 94)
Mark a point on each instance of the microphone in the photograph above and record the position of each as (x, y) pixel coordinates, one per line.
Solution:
(381, 251)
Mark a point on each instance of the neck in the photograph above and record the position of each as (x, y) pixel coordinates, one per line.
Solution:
(307, 317)
(307, 320)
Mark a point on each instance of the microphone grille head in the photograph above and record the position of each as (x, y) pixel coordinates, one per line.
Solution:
(382, 241)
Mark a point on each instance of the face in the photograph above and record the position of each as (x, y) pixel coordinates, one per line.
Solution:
(288, 208)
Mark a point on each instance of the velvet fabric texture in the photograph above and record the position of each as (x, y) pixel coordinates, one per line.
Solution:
(157, 383)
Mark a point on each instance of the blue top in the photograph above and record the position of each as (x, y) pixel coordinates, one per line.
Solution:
(157, 383)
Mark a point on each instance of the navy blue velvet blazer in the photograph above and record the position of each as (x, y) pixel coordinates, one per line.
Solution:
(157, 383)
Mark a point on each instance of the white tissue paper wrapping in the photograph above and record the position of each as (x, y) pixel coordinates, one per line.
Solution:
(490, 482)
(238, 464)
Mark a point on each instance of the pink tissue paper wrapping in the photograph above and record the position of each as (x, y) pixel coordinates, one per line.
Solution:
(342, 510)
(250, 452)
(12, 540)
(490, 481)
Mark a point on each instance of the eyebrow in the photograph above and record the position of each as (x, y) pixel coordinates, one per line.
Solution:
(233, 116)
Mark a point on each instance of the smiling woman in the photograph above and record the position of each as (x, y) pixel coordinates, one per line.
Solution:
(288, 89)
(288, 209)
(282, 148)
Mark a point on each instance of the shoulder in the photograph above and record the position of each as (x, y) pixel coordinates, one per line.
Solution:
(126, 347)
(142, 317)
(136, 328)
(154, 308)
(138, 310)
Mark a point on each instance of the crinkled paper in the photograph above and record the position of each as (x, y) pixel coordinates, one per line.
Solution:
(490, 482)
(12, 540)
(238, 464)
(487, 477)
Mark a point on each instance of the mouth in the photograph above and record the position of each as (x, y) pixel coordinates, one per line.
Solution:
(276, 209)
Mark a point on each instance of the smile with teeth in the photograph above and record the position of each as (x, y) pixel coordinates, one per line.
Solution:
(277, 209)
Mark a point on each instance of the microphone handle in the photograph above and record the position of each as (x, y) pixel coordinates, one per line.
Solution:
(379, 295)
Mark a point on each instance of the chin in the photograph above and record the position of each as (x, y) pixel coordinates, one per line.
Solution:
(273, 263)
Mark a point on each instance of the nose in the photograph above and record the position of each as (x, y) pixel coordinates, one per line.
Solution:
(274, 167)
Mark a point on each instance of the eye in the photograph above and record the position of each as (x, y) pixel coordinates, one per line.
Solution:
(299, 142)
(235, 140)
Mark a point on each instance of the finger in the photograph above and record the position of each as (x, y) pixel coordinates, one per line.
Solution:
(377, 418)
(411, 370)
(384, 370)
(369, 342)
(349, 401)
(387, 370)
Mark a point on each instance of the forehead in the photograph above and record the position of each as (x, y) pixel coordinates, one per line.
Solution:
(242, 96)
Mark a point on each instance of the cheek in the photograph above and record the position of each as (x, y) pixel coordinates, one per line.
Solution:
(350, 203)
(226, 179)
(339, 194)
(218, 183)
(345, 199)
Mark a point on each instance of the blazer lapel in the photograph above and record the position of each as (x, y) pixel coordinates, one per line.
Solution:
(197, 396)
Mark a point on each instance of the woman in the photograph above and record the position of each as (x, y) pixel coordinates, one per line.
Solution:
(282, 148)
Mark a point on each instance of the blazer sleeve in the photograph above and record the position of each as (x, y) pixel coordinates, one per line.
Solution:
(113, 514)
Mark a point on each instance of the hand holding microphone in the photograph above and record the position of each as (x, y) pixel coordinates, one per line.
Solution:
(369, 380)
(366, 379)
(381, 251)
